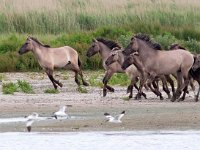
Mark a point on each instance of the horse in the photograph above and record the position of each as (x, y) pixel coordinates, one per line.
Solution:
(195, 73)
(161, 62)
(117, 56)
(50, 58)
(104, 47)
(176, 46)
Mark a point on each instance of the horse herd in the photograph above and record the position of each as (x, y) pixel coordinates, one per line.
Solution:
(142, 60)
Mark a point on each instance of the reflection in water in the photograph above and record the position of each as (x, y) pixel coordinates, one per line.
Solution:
(145, 140)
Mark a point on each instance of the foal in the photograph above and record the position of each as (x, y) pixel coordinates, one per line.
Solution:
(50, 58)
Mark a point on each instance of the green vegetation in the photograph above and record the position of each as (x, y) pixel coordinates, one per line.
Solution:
(25, 86)
(9, 88)
(76, 22)
(82, 89)
(51, 91)
(119, 79)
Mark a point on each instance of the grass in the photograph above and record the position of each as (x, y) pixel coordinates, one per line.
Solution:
(51, 91)
(119, 79)
(9, 88)
(76, 22)
(82, 89)
(2, 77)
(24, 86)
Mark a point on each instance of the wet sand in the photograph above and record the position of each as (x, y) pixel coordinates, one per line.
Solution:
(150, 114)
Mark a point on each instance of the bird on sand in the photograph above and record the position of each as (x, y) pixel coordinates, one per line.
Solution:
(115, 119)
(30, 119)
(61, 113)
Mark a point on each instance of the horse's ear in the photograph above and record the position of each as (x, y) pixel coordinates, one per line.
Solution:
(135, 53)
(94, 40)
(115, 49)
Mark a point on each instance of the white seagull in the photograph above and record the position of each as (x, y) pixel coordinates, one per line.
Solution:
(60, 113)
(116, 119)
(30, 119)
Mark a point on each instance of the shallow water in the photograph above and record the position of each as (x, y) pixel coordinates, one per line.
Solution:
(129, 140)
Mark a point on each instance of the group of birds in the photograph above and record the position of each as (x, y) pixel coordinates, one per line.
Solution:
(61, 113)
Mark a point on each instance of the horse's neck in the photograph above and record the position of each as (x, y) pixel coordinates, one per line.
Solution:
(121, 58)
(145, 51)
(104, 51)
(38, 52)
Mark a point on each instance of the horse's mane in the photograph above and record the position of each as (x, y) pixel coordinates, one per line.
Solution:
(36, 40)
(147, 39)
(176, 44)
(109, 43)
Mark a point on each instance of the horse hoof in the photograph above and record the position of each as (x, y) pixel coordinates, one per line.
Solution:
(196, 98)
(104, 92)
(130, 96)
(173, 99)
(85, 84)
(144, 95)
(60, 84)
(111, 89)
(180, 99)
(138, 96)
(169, 96)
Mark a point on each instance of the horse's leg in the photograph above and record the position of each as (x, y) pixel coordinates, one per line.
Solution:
(143, 94)
(165, 87)
(156, 89)
(50, 75)
(76, 78)
(171, 82)
(81, 74)
(185, 90)
(197, 96)
(153, 89)
(106, 78)
(179, 83)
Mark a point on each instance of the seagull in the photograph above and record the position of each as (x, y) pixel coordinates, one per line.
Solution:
(60, 113)
(30, 119)
(116, 119)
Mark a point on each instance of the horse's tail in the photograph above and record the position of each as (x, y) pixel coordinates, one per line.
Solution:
(79, 62)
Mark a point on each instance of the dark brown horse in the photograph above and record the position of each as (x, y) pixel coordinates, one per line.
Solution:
(50, 58)
(157, 62)
(195, 73)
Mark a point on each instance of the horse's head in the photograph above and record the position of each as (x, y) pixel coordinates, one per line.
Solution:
(196, 64)
(27, 46)
(93, 49)
(113, 57)
(129, 60)
(132, 47)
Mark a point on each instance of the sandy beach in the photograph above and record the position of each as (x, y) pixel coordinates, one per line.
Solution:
(87, 109)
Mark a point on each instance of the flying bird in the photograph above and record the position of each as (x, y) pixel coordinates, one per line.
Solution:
(30, 119)
(60, 113)
(115, 119)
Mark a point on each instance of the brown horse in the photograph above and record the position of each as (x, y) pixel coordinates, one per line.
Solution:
(176, 46)
(157, 62)
(104, 47)
(50, 58)
(117, 56)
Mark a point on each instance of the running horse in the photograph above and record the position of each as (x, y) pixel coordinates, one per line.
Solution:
(160, 62)
(50, 58)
